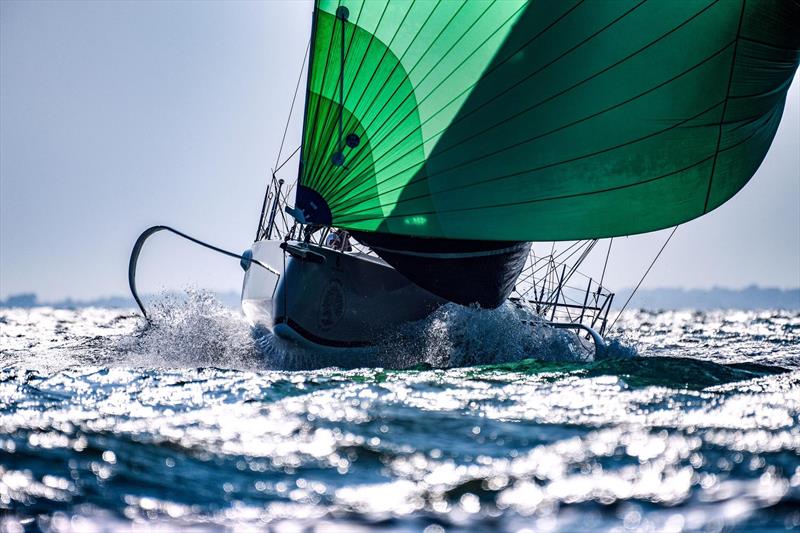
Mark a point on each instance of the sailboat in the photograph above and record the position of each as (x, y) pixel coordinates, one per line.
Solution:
(441, 139)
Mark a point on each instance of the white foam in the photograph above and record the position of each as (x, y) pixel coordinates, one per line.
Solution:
(463, 336)
(198, 330)
(193, 331)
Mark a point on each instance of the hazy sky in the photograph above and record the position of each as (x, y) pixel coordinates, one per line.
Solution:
(117, 116)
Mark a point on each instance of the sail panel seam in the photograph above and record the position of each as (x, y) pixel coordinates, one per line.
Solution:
(407, 73)
(551, 25)
(418, 102)
(606, 69)
(323, 179)
(496, 178)
(724, 108)
(562, 197)
(589, 193)
(399, 59)
(314, 124)
(319, 157)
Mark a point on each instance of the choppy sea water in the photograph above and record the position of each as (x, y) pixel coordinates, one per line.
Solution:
(470, 422)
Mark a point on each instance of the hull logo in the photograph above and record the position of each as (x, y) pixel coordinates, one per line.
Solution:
(331, 305)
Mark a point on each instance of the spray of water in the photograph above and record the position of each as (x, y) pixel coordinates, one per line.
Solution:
(463, 336)
(197, 330)
(191, 331)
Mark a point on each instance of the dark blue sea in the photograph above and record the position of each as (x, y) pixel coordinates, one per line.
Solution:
(469, 422)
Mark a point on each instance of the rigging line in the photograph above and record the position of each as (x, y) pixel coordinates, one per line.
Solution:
(555, 164)
(583, 256)
(391, 73)
(491, 70)
(291, 108)
(643, 276)
(283, 139)
(603, 275)
(264, 208)
(363, 159)
(284, 198)
(589, 245)
(724, 108)
(287, 159)
(545, 134)
(553, 258)
(582, 244)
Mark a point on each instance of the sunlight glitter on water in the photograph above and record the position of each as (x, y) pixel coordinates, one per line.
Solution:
(106, 427)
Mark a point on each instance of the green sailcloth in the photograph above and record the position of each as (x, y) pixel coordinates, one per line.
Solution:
(539, 121)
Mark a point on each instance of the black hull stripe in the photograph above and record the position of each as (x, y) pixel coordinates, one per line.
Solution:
(300, 330)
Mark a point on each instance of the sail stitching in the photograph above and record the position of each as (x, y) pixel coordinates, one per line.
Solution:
(604, 70)
(322, 151)
(724, 109)
(313, 125)
(565, 196)
(588, 193)
(539, 103)
(496, 178)
(441, 58)
(539, 70)
(412, 93)
(347, 190)
(445, 78)
(400, 84)
(398, 63)
(328, 171)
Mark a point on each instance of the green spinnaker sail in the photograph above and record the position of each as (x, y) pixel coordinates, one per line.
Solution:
(509, 120)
